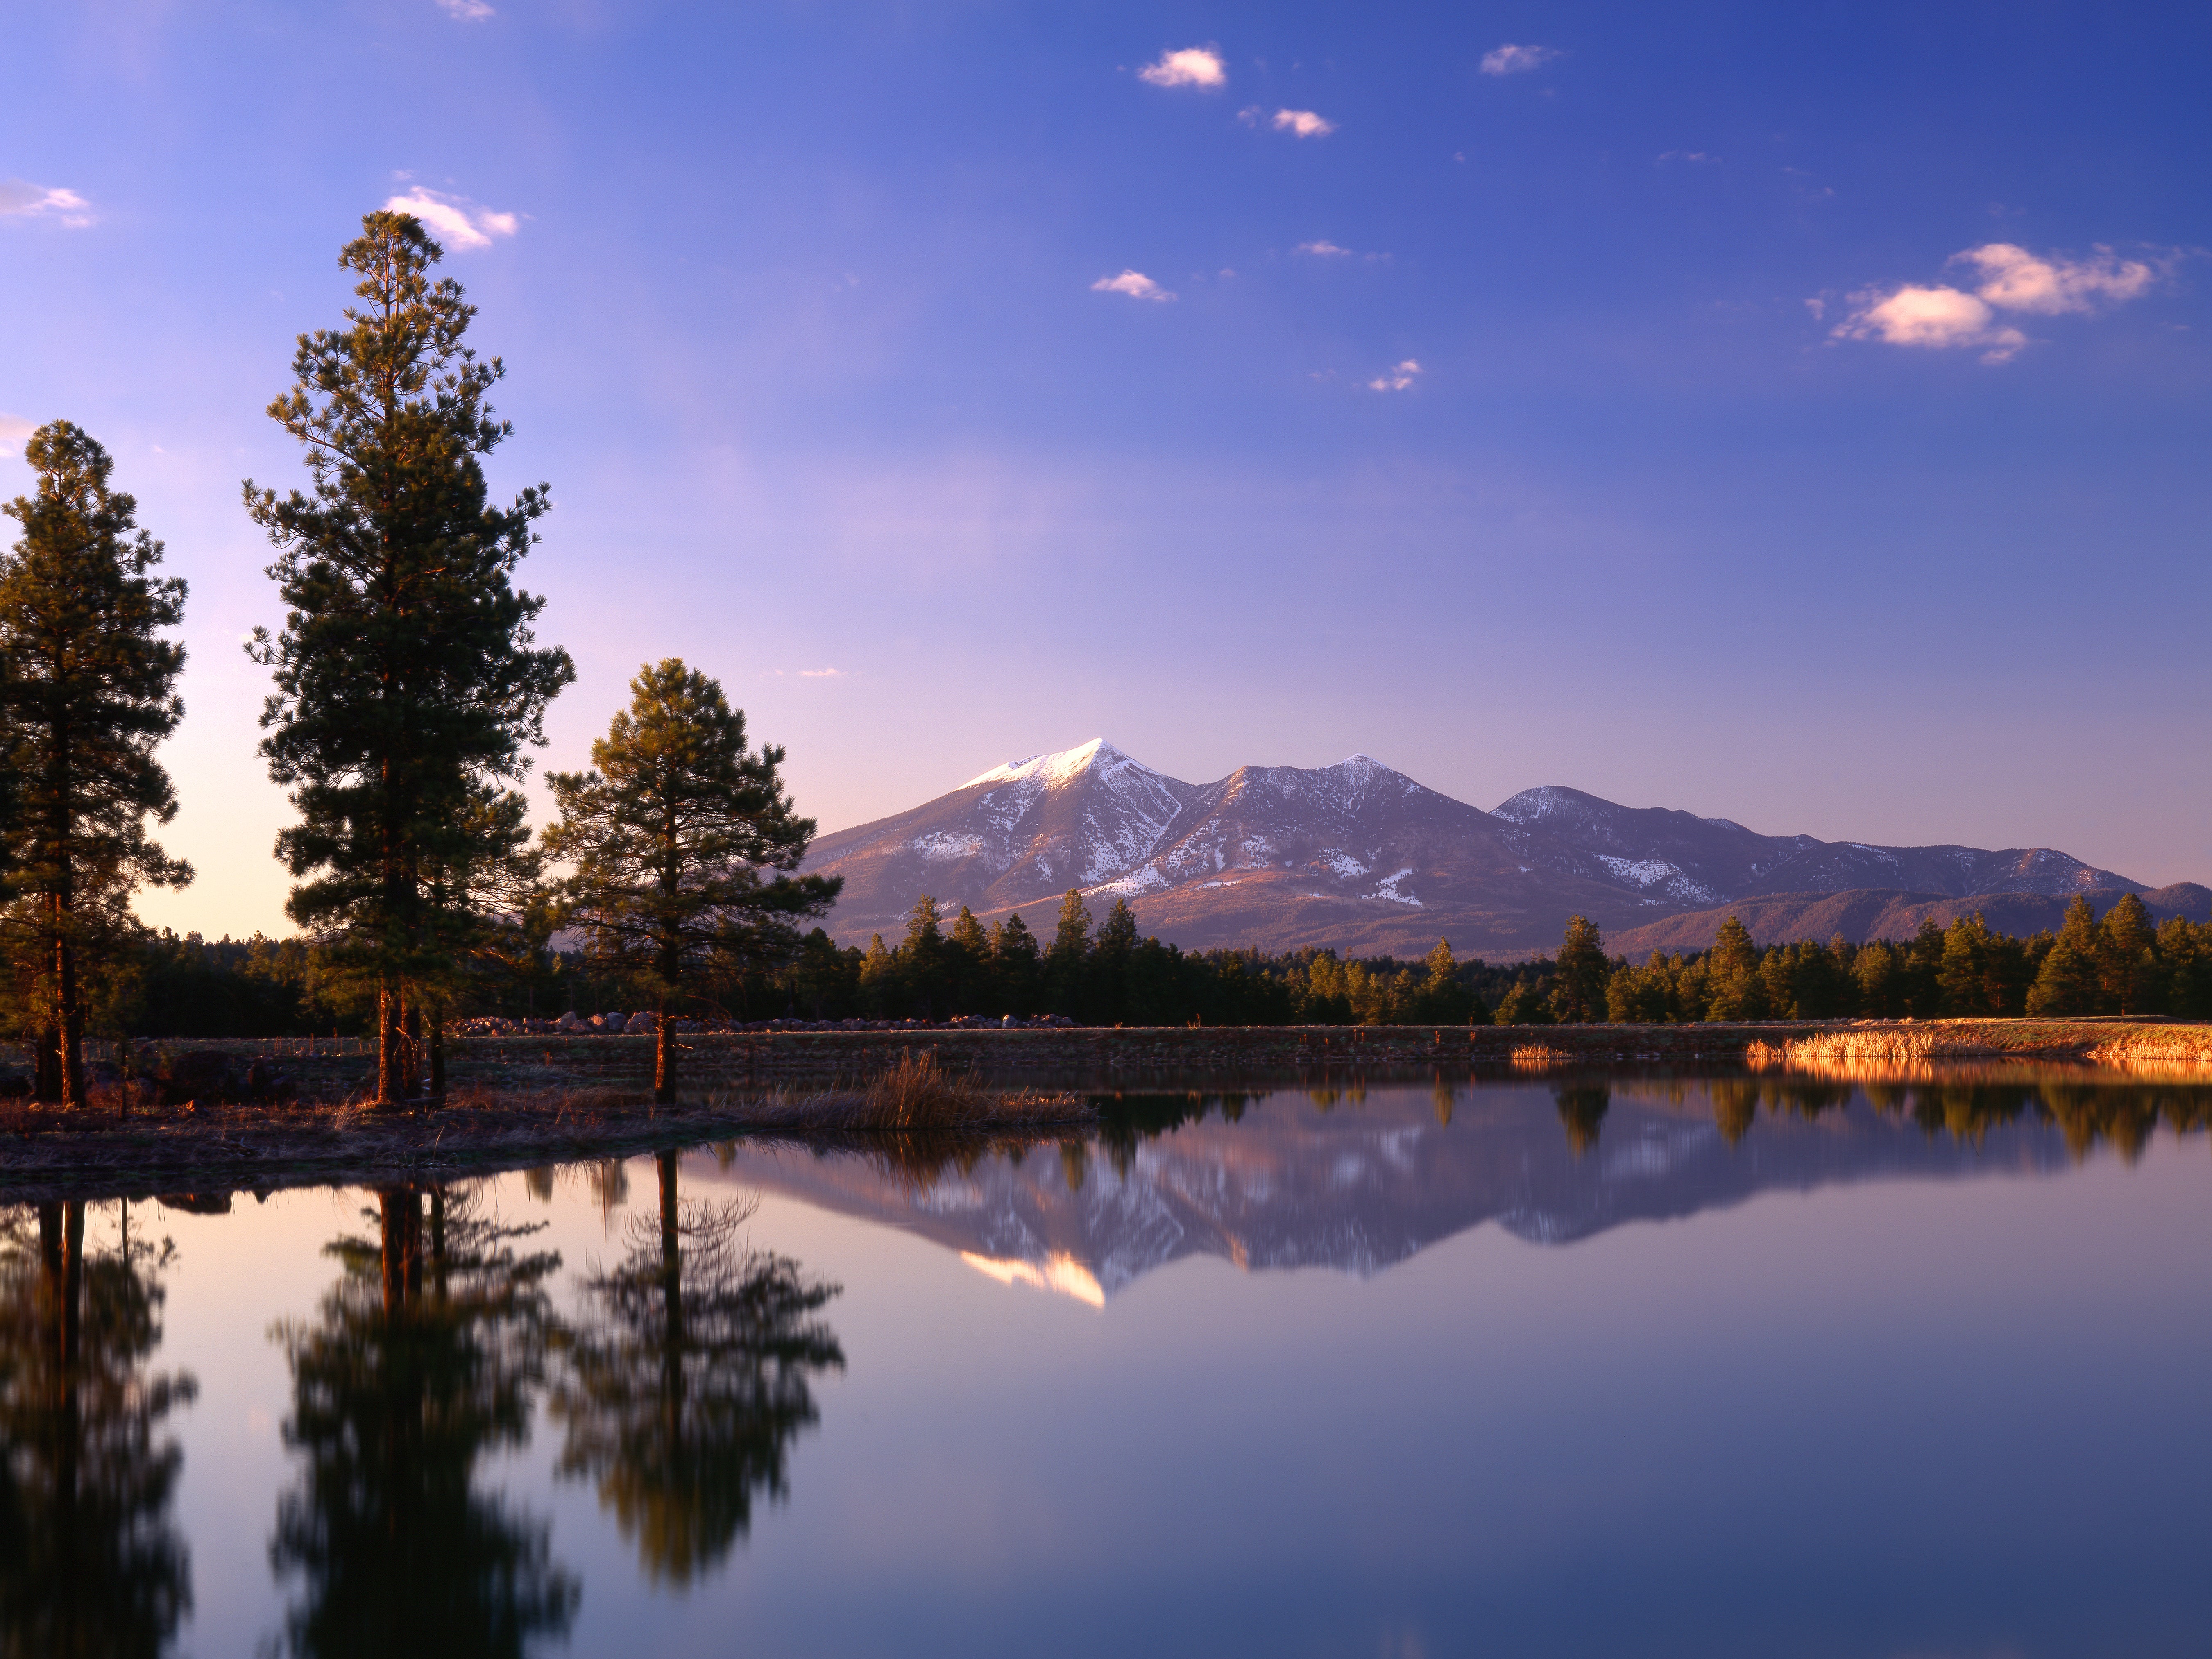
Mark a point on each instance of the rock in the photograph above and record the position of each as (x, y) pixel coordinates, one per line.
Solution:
(614, 1024)
(571, 1021)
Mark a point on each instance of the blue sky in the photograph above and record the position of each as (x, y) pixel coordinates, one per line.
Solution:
(1796, 413)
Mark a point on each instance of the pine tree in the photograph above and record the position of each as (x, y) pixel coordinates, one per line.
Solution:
(407, 676)
(1111, 956)
(2066, 983)
(1067, 959)
(1015, 964)
(1732, 972)
(2127, 968)
(1963, 977)
(968, 960)
(1578, 995)
(89, 692)
(681, 839)
(922, 959)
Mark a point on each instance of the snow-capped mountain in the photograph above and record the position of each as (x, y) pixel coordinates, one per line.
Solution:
(1354, 855)
(1690, 862)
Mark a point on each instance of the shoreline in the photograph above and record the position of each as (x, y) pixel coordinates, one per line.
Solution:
(588, 1097)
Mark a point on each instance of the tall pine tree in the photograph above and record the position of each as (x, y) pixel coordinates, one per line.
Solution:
(681, 840)
(90, 689)
(407, 680)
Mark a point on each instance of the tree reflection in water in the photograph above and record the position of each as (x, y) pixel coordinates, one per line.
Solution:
(688, 1376)
(423, 1358)
(1582, 1107)
(89, 1564)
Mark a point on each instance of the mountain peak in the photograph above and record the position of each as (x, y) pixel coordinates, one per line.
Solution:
(1056, 768)
(1544, 801)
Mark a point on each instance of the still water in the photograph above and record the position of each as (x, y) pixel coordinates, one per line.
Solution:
(1609, 1366)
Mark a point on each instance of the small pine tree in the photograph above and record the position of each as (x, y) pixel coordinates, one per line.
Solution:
(1735, 991)
(681, 842)
(90, 691)
(967, 964)
(1016, 967)
(1578, 993)
(2127, 966)
(1067, 959)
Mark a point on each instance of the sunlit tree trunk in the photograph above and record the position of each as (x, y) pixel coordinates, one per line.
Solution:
(71, 1011)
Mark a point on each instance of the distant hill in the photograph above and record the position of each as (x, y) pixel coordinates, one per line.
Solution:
(1361, 858)
(1867, 913)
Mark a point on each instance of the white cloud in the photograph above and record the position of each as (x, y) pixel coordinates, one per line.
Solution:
(468, 11)
(2018, 281)
(15, 431)
(460, 222)
(1939, 316)
(1194, 66)
(1516, 60)
(1303, 122)
(19, 199)
(1323, 250)
(1134, 283)
(1395, 379)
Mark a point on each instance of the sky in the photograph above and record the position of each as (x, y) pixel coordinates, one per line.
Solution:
(1791, 414)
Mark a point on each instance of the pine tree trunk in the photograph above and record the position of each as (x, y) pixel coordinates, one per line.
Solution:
(46, 1065)
(664, 1059)
(387, 1045)
(437, 1062)
(72, 1016)
(410, 1049)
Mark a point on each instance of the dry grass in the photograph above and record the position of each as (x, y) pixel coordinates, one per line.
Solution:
(1540, 1057)
(915, 1096)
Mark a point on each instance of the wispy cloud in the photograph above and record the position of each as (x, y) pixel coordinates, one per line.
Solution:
(1516, 60)
(22, 200)
(1398, 378)
(2019, 280)
(1134, 283)
(15, 431)
(1194, 66)
(461, 222)
(468, 11)
(1687, 155)
(822, 673)
(1303, 122)
(1324, 250)
(1939, 316)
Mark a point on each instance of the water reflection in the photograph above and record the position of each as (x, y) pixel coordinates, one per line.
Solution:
(1356, 1174)
(688, 1374)
(423, 1359)
(90, 1562)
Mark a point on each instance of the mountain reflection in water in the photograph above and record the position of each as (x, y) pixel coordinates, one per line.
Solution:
(1356, 1178)
(442, 1355)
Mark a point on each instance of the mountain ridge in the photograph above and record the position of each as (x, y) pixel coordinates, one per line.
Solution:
(1362, 858)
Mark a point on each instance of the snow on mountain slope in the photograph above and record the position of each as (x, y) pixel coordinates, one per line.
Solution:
(1356, 856)
(1695, 862)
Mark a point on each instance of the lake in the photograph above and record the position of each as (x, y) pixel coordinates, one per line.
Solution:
(1604, 1363)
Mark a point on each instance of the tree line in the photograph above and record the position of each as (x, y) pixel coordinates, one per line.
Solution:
(2122, 963)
